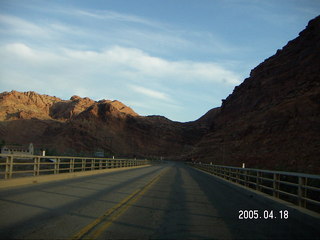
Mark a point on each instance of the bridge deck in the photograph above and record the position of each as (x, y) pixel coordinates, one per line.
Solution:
(162, 201)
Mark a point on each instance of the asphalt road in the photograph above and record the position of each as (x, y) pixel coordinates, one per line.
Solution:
(168, 201)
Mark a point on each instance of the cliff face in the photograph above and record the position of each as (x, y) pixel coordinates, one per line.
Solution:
(81, 125)
(272, 120)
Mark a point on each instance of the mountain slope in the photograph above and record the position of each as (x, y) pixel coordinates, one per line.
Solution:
(272, 120)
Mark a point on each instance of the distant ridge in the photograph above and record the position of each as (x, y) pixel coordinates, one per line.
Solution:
(26, 105)
(83, 126)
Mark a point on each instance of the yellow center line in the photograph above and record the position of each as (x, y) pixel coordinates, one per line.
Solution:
(87, 228)
(118, 209)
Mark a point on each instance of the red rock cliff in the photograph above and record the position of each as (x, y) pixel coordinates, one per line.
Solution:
(272, 120)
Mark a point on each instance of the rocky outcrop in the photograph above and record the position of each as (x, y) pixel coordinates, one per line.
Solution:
(27, 105)
(272, 120)
(64, 110)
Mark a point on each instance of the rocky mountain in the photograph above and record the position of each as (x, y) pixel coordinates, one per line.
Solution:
(81, 125)
(272, 120)
(17, 105)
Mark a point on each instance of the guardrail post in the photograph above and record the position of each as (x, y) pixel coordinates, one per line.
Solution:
(302, 191)
(245, 178)
(39, 165)
(71, 169)
(276, 179)
(237, 175)
(93, 164)
(57, 166)
(228, 173)
(83, 165)
(36, 166)
(100, 163)
(258, 181)
(9, 167)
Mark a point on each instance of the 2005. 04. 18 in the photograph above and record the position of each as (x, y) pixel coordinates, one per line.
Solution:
(267, 214)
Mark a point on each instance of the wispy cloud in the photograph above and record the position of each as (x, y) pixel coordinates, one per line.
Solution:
(117, 60)
(116, 16)
(16, 25)
(48, 33)
(151, 93)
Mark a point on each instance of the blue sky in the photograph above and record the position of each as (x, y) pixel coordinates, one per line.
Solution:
(176, 58)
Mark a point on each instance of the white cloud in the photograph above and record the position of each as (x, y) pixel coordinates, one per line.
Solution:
(151, 93)
(119, 59)
(115, 16)
(19, 26)
(114, 60)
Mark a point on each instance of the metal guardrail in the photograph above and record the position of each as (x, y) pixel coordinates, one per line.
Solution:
(298, 188)
(30, 165)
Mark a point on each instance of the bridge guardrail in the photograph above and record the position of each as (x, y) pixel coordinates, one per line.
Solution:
(298, 188)
(32, 165)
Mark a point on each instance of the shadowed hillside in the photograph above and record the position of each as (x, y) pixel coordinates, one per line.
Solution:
(83, 126)
(272, 120)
